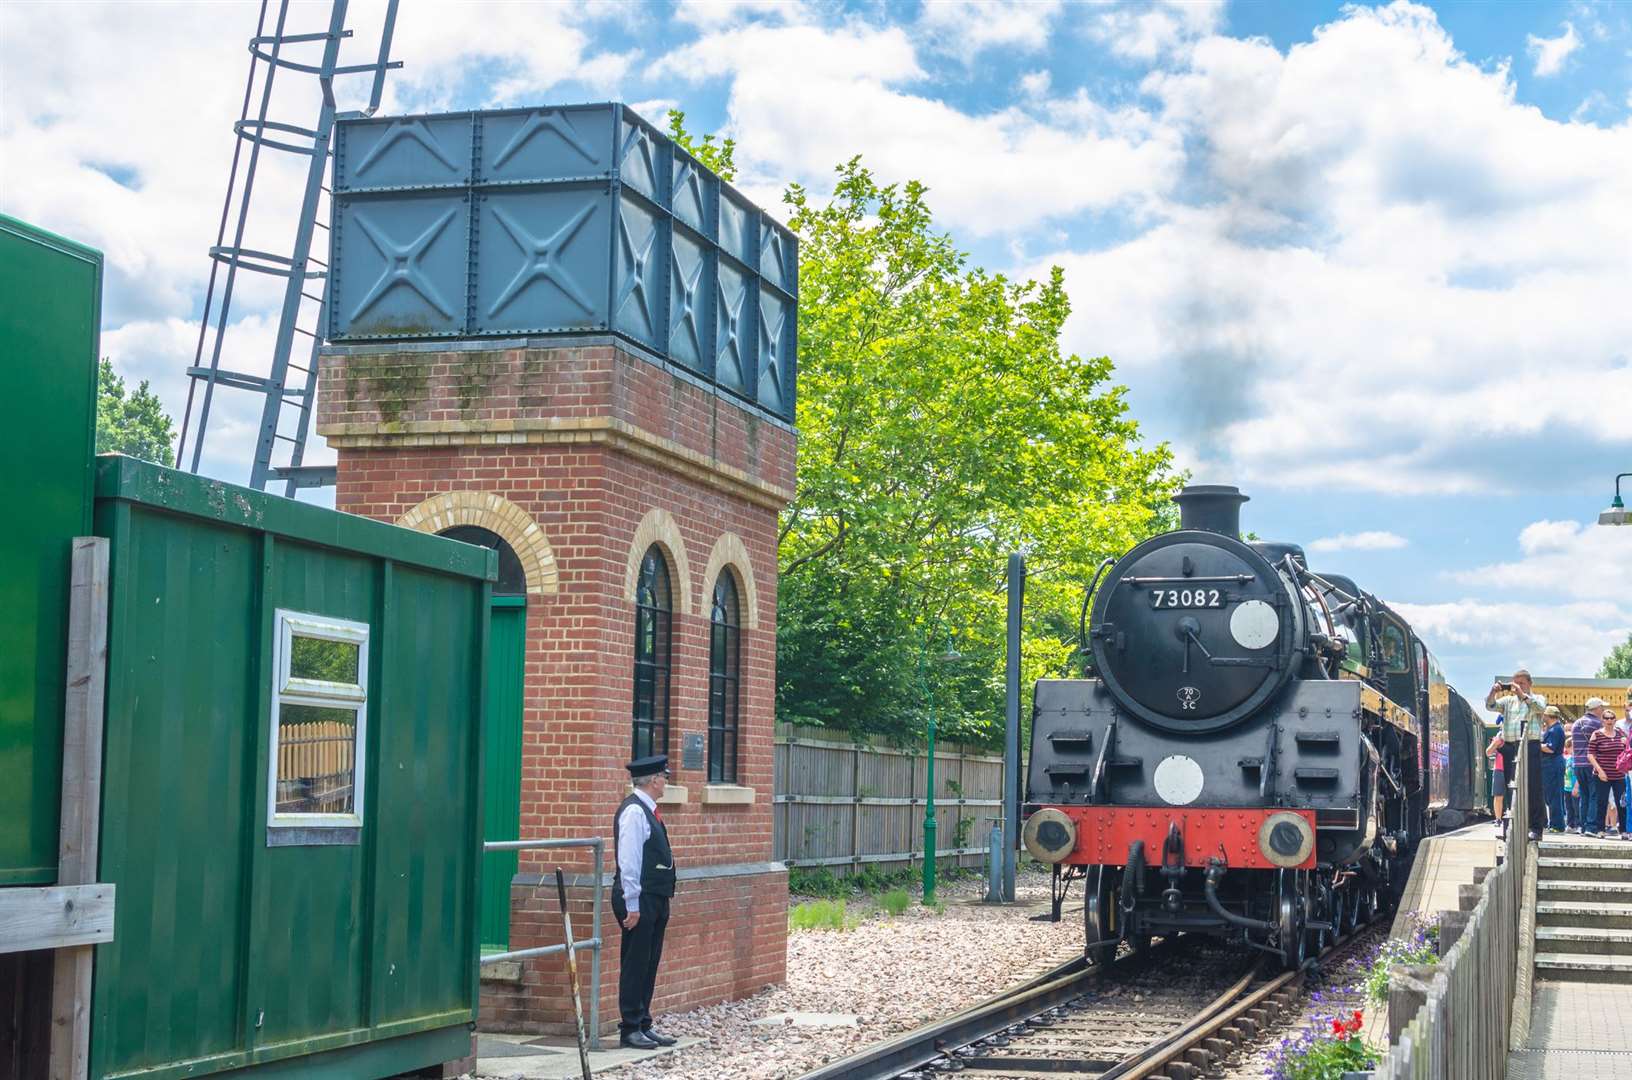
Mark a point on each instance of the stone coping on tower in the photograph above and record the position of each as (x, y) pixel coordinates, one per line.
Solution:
(571, 341)
(595, 391)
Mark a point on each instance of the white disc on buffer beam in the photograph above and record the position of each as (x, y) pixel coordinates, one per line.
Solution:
(1178, 780)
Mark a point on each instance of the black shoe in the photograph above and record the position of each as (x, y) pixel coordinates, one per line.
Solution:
(658, 1037)
(638, 1040)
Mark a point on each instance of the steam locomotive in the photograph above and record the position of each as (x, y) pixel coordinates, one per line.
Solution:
(1255, 753)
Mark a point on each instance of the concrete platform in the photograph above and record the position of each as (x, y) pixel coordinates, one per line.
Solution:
(1577, 1032)
(1444, 864)
(527, 1057)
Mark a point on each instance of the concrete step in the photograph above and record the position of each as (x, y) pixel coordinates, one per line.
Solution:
(1583, 892)
(1583, 967)
(1598, 941)
(1587, 869)
(1572, 846)
(1605, 914)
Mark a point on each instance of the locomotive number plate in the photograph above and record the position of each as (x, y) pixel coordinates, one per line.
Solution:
(1187, 598)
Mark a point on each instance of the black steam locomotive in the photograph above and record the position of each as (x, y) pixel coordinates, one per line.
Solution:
(1257, 749)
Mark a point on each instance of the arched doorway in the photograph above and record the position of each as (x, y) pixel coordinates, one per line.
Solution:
(501, 765)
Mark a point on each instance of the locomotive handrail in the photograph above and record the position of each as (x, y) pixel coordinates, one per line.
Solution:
(1087, 598)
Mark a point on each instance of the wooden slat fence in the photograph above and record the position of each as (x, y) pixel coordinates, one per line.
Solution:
(843, 802)
(316, 767)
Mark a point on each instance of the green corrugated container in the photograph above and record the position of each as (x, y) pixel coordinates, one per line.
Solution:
(318, 948)
(50, 298)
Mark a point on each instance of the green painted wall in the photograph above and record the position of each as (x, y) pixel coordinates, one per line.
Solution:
(506, 650)
(227, 952)
(50, 296)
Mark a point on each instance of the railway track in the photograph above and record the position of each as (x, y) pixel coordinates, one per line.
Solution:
(1183, 1011)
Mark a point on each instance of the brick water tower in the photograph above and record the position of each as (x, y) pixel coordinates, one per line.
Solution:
(555, 333)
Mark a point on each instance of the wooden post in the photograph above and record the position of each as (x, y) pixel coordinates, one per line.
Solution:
(81, 796)
(855, 808)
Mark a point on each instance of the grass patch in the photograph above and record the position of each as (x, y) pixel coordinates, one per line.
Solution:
(895, 901)
(821, 882)
(819, 915)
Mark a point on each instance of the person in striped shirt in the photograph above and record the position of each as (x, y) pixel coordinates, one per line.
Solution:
(1580, 735)
(1603, 751)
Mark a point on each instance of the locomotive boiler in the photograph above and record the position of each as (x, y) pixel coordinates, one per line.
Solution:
(1253, 753)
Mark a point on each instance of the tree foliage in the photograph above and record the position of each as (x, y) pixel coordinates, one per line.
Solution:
(1618, 664)
(131, 423)
(719, 157)
(941, 428)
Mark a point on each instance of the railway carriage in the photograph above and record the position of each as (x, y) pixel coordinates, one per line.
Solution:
(1255, 752)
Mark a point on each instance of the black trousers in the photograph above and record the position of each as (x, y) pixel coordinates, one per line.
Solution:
(642, 951)
(1532, 779)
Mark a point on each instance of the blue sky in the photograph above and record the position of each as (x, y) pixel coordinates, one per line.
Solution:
(1369, 262)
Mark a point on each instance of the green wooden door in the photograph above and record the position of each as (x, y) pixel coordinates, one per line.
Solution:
(502, 764)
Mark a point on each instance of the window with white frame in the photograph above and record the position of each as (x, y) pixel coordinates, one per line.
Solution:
(319, 722)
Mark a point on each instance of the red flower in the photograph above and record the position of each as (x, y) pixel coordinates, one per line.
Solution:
(1338, 1028)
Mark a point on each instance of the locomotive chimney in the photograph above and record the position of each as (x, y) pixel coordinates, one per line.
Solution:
(1211, 508)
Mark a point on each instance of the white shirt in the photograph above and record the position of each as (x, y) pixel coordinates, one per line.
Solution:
(634, 829)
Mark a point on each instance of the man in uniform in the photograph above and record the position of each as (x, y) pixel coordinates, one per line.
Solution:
(641, 889)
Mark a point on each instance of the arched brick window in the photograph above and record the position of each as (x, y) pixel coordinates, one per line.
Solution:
(724, 679)
(654, 616)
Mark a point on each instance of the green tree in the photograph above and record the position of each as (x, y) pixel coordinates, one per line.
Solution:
(1618, 664)
(131, 423)
(941, 427)
(719, 157)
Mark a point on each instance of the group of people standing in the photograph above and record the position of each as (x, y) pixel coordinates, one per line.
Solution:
(1578, 776)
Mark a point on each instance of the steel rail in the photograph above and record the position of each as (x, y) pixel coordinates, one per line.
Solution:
(1213, 1018)
(921, 1046)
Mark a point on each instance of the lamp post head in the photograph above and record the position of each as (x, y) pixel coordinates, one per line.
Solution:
(1616, 514)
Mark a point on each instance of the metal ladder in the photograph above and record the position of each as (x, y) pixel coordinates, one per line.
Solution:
(286, 385)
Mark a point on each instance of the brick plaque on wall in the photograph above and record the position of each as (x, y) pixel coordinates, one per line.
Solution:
(691, 752)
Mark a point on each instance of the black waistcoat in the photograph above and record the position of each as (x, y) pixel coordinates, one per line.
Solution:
(656, 860)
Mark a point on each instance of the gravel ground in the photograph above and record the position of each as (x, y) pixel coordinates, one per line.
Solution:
(892, 974)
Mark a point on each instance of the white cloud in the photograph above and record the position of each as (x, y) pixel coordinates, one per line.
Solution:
(1563, 560)
(1559, 608)
(1148, 31)
(1370, 218)
(966, 28)
(804, 98)
(716, 13)
(1360, 541)
(1550, 54)
(1565, 639)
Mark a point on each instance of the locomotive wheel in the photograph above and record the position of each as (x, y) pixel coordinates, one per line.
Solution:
(1320, 910)
(1350, 898)
(1365, 904)
(1101, 919)
(1291, 911)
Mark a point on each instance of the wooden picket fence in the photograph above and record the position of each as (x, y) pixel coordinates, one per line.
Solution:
(316, 767)
(842, 802)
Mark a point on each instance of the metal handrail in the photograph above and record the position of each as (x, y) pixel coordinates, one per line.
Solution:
(592, 943)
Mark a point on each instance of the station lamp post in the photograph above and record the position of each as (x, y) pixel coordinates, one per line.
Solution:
(1617, 513)
(929, 802)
